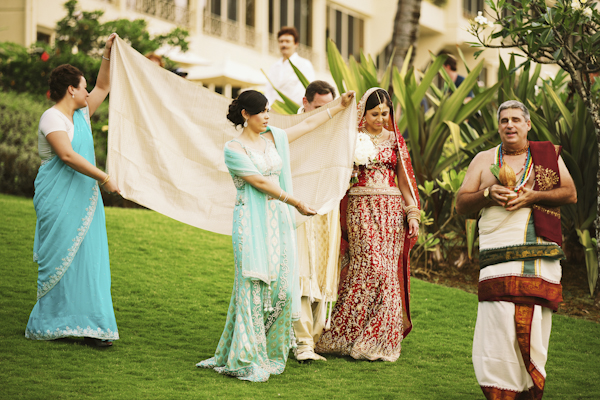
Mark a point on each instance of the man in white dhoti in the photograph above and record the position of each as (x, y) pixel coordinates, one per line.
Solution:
(519, 242)
(318, 254)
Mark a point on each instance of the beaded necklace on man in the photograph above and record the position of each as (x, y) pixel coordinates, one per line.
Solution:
(528, 166)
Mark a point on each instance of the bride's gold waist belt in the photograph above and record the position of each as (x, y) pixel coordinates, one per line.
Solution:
(374, 190)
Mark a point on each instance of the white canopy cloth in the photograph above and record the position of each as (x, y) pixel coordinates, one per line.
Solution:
(166, 140)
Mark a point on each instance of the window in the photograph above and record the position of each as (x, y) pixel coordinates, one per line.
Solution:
(250, 13)
(215, 7)
(235, 10)
(43, 37)
(232, 20)
(296, 13)
(346, 29)
(470, 7)
(232, 10)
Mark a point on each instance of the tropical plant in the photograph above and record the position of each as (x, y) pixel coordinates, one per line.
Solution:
(564, 32)
(442, 139)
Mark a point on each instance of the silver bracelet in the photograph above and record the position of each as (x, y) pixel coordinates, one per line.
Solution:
(280, 194)
(107, 59)
(329, 113)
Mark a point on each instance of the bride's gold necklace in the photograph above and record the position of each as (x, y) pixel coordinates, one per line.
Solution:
(373, 136)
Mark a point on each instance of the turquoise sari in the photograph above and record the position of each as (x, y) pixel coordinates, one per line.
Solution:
(258, 331)
(71, 249)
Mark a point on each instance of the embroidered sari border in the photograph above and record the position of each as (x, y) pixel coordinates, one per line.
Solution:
(521, 252)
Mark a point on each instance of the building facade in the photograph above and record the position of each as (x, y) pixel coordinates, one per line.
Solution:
(234, 34)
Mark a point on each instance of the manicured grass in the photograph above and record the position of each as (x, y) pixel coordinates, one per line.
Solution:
(171, 285)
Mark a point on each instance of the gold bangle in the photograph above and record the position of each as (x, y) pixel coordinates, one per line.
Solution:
(409, 208)
(105, 180)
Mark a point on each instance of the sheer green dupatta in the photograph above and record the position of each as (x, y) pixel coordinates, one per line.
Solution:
(255, 260)
(65, 202)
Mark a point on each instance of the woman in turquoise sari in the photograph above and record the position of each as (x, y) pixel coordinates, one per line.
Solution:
(70, 245)
(258, 331)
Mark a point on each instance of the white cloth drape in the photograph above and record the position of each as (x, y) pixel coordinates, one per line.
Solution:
(166, 141)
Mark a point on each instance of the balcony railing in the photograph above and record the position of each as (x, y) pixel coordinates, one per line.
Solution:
(164, 9)
(231, 31)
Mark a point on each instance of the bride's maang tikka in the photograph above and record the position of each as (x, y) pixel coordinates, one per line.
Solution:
(380, 102)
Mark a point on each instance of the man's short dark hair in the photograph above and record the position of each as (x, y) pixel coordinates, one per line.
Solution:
(318, 87)
(289, 30)
(450, 60)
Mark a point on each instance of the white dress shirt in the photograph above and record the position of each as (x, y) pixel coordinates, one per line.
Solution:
(285, 80)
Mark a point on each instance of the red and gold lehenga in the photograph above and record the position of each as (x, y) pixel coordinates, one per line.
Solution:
(372, 314)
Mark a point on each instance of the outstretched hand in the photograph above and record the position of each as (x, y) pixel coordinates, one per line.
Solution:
(110, 41)
(111, 186)
(304, 209)
(347, 98)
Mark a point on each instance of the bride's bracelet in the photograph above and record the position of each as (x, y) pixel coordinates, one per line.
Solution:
(408, 209)
(413, 212)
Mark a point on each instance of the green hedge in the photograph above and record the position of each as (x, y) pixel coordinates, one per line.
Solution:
(19, 160)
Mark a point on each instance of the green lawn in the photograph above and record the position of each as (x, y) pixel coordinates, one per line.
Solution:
(171, 285)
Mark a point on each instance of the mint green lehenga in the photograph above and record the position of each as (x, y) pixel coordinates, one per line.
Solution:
(258, 331)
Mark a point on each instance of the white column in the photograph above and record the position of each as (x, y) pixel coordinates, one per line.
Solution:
(196, 16)
(262, 26)
(30, 22)
(319, 25)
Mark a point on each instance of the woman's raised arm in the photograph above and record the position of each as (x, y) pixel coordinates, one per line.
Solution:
(314, 121)
(100, 91)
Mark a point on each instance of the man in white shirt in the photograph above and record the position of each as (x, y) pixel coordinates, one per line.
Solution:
(282, 74)
(318, 254)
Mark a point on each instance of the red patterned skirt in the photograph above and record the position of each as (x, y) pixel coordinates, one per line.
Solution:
(367, 318)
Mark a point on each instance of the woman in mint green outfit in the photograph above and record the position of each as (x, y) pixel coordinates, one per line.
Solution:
(70, 246)
(258, 331)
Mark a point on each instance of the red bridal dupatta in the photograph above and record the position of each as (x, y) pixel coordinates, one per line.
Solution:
(404, 260)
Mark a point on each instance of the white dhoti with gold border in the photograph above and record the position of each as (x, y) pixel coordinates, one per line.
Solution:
(519, 286)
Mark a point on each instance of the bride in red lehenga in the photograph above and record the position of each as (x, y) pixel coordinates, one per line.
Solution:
(380, 224)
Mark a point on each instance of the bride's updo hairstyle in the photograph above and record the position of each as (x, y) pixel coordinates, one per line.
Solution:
(250, 100)
(373, 100)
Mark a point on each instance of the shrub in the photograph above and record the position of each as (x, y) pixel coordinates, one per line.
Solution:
(19, 159)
